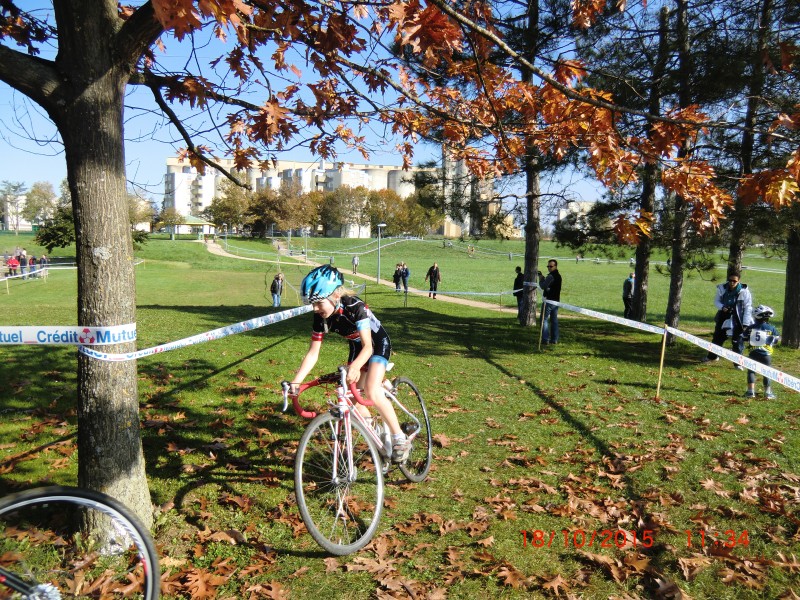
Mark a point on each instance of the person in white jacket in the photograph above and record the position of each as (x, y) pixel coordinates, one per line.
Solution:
(734, 312)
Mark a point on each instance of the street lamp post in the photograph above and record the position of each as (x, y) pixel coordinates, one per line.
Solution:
(380, 226)
(225, 230)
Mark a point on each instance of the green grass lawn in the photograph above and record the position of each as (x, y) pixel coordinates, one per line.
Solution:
(567, 442)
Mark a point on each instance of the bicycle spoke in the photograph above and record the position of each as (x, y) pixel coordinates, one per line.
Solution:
(413, 416)
(341, 508)
(74, 547)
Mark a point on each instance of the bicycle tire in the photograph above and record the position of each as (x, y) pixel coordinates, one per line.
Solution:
(342, 516)
(418, 464)
(45, 547)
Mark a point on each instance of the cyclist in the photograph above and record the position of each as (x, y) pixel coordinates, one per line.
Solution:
(336, 309)
(762, 337)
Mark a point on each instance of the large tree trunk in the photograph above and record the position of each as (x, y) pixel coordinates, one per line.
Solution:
(533, 169)
(680, 226)
(651, 174)
(791, 300)
(741, 214)
(532, 221)
(90, 120)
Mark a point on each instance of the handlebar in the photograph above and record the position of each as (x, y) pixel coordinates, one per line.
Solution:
(339, 377)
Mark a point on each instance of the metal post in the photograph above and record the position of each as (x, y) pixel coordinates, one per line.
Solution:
(380, 226)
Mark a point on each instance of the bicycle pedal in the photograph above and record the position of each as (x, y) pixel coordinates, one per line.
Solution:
(409, 428)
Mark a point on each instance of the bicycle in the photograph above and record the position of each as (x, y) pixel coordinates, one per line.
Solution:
(47, 554)
(343, 456)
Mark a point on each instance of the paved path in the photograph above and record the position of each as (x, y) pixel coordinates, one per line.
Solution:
(215, 248)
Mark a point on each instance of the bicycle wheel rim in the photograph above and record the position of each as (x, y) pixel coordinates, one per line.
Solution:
(74, 543)
(342, 516)
(418, 465)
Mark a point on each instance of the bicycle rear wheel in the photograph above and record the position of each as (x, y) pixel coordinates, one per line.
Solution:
(60, 542)
(341, 510)
(418, 465)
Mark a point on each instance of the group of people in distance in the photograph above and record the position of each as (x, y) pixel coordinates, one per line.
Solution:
(735, 318)
(19, 263)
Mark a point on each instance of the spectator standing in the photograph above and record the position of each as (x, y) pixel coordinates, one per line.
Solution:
(551, 290)
(43, 265)
(762, 338)
(13, 265)
(519, 282)
(23, 262)
(435, 276)
(276, 289)
(627, 295)
(735, 312)
(32, 266)
(405, 273)
(397, 276)
(355, 264)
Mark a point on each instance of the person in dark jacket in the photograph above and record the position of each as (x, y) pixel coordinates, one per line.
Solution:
(627, 295)
(519, 281)
(551, 290)
(277, 289)
(435, 276)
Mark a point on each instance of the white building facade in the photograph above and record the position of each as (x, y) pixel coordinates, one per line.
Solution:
(189, 192)
(11, 218)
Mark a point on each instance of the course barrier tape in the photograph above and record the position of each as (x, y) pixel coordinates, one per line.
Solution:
(780, 377)
(68, 335)
(748, 363)
(611, 318)
(208, 336)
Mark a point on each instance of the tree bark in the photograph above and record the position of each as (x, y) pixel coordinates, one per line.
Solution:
(83, 93)
(741, 214)
(650, 178)
(790, 334)
(680, 226)
(532, 222)
(532, 168)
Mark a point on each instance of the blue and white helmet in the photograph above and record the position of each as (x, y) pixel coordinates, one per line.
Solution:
(762, 311)
(320, 283)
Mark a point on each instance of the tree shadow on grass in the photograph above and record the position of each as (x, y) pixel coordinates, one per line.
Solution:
(659, 552)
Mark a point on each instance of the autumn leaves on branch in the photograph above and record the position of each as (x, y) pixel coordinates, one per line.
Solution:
(479, 107)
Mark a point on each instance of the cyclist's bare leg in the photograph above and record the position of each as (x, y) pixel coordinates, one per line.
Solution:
(372, 384)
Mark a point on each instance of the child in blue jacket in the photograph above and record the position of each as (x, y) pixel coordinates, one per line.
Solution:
(762, 337)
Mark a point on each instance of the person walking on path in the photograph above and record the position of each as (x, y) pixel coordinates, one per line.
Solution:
(734, 304)
(276, 289)
(627, 295)
(761, 337)
(519, 282)
(355, 264)
(551, 290)
(435, 276)
(405, 273)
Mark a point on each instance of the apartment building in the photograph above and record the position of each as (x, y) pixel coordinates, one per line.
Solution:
(189, 192)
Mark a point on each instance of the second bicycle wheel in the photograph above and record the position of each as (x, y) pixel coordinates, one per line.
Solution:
(418, 465)
(340, 507)
(66, 543)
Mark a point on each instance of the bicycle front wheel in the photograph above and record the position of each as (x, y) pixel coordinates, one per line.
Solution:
(413, 416)
(61, 542)
(341, 507)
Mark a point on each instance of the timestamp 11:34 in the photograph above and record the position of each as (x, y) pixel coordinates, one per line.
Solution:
(727, 539)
